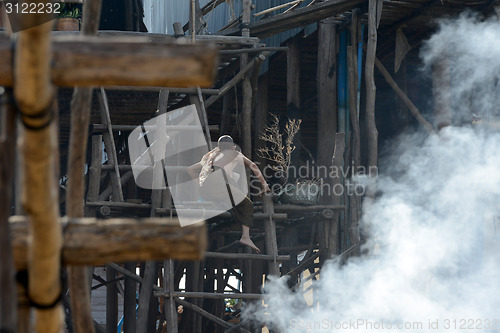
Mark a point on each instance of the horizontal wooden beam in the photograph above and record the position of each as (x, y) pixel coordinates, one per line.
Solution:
(114, 61)
(99, 128)
(298, 18)
(193, 294)
(222, 41)
(93, 242)
(223, 255)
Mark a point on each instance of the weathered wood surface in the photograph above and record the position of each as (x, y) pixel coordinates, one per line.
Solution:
(371, 51)
(89, 241)
(333, 239)
(81, 102)
(297, 18)
(100, 61)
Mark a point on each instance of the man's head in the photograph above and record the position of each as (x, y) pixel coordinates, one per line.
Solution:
(225, 142)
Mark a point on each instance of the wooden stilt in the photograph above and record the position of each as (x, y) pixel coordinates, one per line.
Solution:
(441, 92)
(352, 66)
(170, 308)
(130, 302)
(110, 147)
(371, 51)
(327, 117)
(337, 163)
(271, 242)
(145, 295)
(111, 301)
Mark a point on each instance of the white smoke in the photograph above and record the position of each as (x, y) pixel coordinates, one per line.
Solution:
(435, 220)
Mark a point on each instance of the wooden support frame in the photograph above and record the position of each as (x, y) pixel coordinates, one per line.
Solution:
(90, 241)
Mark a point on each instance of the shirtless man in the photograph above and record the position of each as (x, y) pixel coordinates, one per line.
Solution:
(227, 158)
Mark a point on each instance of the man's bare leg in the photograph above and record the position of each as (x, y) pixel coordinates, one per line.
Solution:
(245, 238)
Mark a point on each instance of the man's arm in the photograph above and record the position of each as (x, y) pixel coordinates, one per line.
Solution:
(256, 171)
(194, 170)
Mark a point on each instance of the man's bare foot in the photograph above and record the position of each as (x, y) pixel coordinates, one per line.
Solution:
(248, 242)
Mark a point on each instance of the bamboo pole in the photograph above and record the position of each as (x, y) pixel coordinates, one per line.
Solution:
(34, 95)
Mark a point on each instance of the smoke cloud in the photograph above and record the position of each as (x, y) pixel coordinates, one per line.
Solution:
(434, 221)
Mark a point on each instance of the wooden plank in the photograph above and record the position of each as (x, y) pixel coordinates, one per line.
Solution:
(100, 61)
(297, 18)
(89, 241)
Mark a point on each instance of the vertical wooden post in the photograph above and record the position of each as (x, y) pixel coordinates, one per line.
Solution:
(337, 162)
(352, 66)
(129, 304)
(246, 116)
(270, 230)
(81, 105)
(293, 89)
(8, 297)
(261, 110)
(111, 301)
(146, 293)
(441, 92)
(170, 308)
(110, 147)
(327, 117)
(196, 24)
(371, 51)
(293, 78)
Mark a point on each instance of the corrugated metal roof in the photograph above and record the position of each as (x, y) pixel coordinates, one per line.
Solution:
(160, 15)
